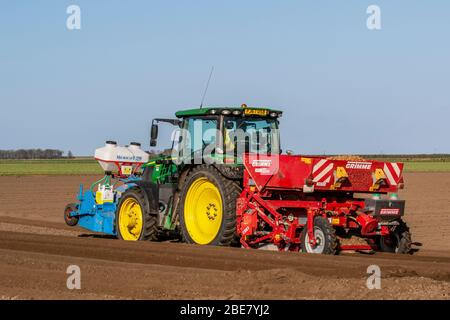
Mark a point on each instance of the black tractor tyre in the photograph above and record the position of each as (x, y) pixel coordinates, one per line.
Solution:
(229, 191)
(325, 235)
(70, 221)
(149, 230)
(236, 241)
(400, 241)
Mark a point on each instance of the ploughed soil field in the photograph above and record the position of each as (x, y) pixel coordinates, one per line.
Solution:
(36, 248)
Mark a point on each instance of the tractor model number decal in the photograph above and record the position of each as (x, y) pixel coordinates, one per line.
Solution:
(128, 158)
(358, 165)
(389, 211)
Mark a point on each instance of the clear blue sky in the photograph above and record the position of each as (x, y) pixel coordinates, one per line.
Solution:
(344, 89)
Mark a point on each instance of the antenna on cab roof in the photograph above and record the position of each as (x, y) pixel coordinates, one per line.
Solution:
(207, 85)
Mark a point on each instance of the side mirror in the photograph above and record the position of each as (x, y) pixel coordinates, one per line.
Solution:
(153, 135)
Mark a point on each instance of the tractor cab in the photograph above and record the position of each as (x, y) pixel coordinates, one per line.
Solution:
(222, 134)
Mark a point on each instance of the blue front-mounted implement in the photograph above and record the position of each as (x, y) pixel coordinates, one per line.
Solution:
(96, 210)
(92, 213)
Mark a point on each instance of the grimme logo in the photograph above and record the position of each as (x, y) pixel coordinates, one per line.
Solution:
(261, 163)
(389, 211)
(358, 165)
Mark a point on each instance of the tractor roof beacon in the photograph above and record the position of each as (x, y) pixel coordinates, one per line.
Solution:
(228, 183)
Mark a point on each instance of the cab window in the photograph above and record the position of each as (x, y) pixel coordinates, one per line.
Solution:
(202, 132)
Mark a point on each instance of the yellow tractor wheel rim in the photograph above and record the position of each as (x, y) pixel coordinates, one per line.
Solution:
(130, 219)
(203, 211)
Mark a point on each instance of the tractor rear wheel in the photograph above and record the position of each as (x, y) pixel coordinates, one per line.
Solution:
(399, 241)
(133, 221)
(326, 240)
(70, 221)
(208, 207)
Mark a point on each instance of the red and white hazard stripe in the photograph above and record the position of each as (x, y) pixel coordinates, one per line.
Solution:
(392, 172)
(322, 171)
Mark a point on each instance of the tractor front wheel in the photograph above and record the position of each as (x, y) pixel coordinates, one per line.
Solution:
(133, 221)
(208, 207)
(325, 236)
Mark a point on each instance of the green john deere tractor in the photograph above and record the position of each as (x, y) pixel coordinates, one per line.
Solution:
(193, 191)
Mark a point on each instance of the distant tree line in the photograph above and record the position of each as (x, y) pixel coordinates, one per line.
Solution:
(33, 154)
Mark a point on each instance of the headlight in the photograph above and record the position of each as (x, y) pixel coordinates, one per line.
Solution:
(225, 112)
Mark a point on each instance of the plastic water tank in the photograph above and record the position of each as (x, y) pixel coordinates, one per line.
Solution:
(111, 155)
(139, 155)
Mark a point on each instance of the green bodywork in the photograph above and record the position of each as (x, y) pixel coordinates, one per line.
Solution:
(163, 169)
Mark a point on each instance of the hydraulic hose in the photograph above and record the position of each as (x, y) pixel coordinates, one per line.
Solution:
(106, 177)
